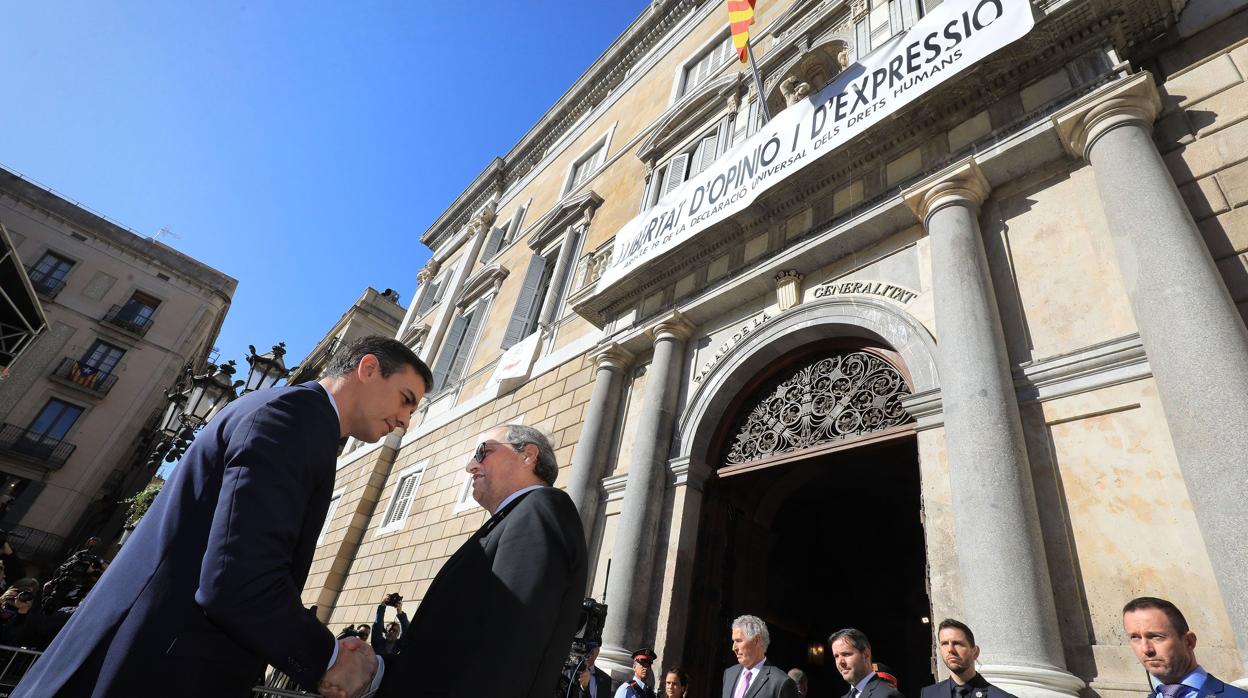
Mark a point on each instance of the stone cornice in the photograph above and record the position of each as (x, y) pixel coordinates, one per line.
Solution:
(1131, 100)
(960, 183)
(578, 210)
(485, 280)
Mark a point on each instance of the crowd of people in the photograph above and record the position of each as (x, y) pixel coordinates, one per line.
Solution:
(31, 614)
(1156, 629)
(206, 592)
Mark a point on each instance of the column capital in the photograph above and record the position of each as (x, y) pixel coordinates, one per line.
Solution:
(611, 356)
(427, 272)
(960, 183)
(1130, 100)
(674, 325)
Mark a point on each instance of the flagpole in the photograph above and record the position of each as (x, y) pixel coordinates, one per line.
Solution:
(758, 81)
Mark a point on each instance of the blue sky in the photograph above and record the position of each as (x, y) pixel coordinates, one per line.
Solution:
(300, 147)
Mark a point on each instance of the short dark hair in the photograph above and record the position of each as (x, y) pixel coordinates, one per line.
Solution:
(681, 675)
(1172, 612)
(391, 354)
(956, 625)
(853, 636)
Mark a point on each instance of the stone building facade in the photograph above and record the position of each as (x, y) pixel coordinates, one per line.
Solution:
(986, 359)
(373, 313)
(126, 315)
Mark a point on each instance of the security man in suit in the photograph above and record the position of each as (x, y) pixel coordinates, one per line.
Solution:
(206, 591)
(1166, 646)
(851, 650)
(958, 651)
(753, 676)
(641, 685)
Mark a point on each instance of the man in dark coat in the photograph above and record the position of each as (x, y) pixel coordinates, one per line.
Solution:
(499, 617)
(753, 676)
(851, 650)
(206, 590)
(956, 644)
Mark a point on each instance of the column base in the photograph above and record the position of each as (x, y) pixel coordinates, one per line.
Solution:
(1032, 681)
(616, 661)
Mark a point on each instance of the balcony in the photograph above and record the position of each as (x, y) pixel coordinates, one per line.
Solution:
(45, 285)
(81, 375)
(49, 452)
(126, 318)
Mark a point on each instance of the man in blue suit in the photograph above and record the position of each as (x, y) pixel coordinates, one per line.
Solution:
(206, 590)
(1166, 646)
(958, 651)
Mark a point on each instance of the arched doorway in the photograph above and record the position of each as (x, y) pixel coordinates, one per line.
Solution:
(813, 517)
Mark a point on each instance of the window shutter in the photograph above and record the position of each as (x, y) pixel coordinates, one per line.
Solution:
(402, 499)
(705, 154)
(450, 346)
(862, 39)
(675, 174)
(466, 344)
(518, 327)
(493, 243)
(430, 297)
(894, 16)
(910, 13)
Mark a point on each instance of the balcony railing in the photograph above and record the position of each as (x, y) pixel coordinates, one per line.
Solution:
(85, 376)
(44, 284)
(128, 320)
(51, 452)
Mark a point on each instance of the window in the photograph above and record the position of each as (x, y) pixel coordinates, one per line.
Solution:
(102, 358)
(461, 336)
(54, 420)
(136, 314)
(48, 274)
(707, 64)
(463, 498)
(494, 242)
(432, 296)
(329, 516)
(692, 159)
(886, 19)
(401, 500)
(585, 166)
(525, 315)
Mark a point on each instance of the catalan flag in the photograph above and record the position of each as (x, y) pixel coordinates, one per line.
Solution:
(740, 17)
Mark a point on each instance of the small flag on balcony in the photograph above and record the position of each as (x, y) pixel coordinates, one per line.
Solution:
(740, 17)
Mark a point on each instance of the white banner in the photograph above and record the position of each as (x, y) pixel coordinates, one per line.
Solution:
(951, 38)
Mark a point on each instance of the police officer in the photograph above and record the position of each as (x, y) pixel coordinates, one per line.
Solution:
(641, 685)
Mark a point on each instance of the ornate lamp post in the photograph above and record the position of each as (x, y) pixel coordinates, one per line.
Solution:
(194, 400)
(266, 369)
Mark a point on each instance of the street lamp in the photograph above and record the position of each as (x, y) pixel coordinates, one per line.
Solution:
(209, 393)
(266, 369)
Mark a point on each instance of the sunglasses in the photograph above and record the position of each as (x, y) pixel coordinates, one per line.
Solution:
(486, 447)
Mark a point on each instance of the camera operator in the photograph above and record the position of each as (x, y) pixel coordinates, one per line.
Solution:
(19, 619)
(592, 682)
(387, 642)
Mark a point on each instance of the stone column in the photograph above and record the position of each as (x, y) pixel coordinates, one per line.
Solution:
(1007, 594)
(423, 277)
(477, 231)
(1194, 337)
(597, 432)
(633, 555)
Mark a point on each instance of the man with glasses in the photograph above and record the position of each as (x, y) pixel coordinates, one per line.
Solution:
(641, 685)
(499, 617)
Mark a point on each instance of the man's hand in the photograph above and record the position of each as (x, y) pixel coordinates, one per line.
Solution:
(398, 606)
(352, 673)
(583, 678)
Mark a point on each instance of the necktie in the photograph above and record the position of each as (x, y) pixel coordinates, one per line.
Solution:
(1171, 690)
(961, 691)
(745, 685)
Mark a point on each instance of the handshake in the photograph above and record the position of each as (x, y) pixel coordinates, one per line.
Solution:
(351, 676)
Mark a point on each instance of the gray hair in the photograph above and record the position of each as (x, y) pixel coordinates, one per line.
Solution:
(753, 626)
(853, 636)
(798, 676)
(546, 467)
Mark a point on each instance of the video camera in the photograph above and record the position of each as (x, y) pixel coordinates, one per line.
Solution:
(392, 599)
(593, 617)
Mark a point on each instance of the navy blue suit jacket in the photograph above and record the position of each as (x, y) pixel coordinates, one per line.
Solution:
(207, 589)
(1215, 687)
(944, 689)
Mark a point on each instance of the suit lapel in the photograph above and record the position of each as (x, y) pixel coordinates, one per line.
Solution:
(757, 684)
(730, 686)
